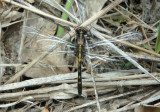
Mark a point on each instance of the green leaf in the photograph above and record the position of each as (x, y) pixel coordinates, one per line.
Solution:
(147, 47)
(128, 64)
(157, 46)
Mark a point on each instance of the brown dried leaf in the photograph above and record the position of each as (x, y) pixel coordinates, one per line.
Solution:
(146, 109)
(33, 49)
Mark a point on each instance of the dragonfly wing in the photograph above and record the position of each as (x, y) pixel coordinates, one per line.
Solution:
(124, 37)
(101, 57)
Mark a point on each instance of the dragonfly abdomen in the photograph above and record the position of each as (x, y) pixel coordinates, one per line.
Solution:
(79, 70)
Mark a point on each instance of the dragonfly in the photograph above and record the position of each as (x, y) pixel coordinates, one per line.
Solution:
(79, 47)
(80, 42)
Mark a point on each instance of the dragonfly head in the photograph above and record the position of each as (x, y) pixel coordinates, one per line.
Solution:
(81, 30)
(81, 35)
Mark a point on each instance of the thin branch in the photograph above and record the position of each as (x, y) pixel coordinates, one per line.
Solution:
(38, 81)
(37, 91)
(14, 103)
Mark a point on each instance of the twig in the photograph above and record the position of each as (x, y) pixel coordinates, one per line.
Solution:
(10, 65)
(14, 103)
(53, 95)
(64, 88)
(38, 81)
(128, 77)
(144, 57)
(155, 23)
(37, 91)
(122, 83)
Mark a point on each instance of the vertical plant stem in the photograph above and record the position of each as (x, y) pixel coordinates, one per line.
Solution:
(64, 16)
(157, 47)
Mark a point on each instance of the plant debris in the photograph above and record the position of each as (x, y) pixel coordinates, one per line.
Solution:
(38, 68)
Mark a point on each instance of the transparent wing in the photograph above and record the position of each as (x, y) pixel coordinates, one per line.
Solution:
(52, 39)
(124, 37)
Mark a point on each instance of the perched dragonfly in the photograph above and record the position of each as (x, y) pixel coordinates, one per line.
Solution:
(80, 49)
(80, 42)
